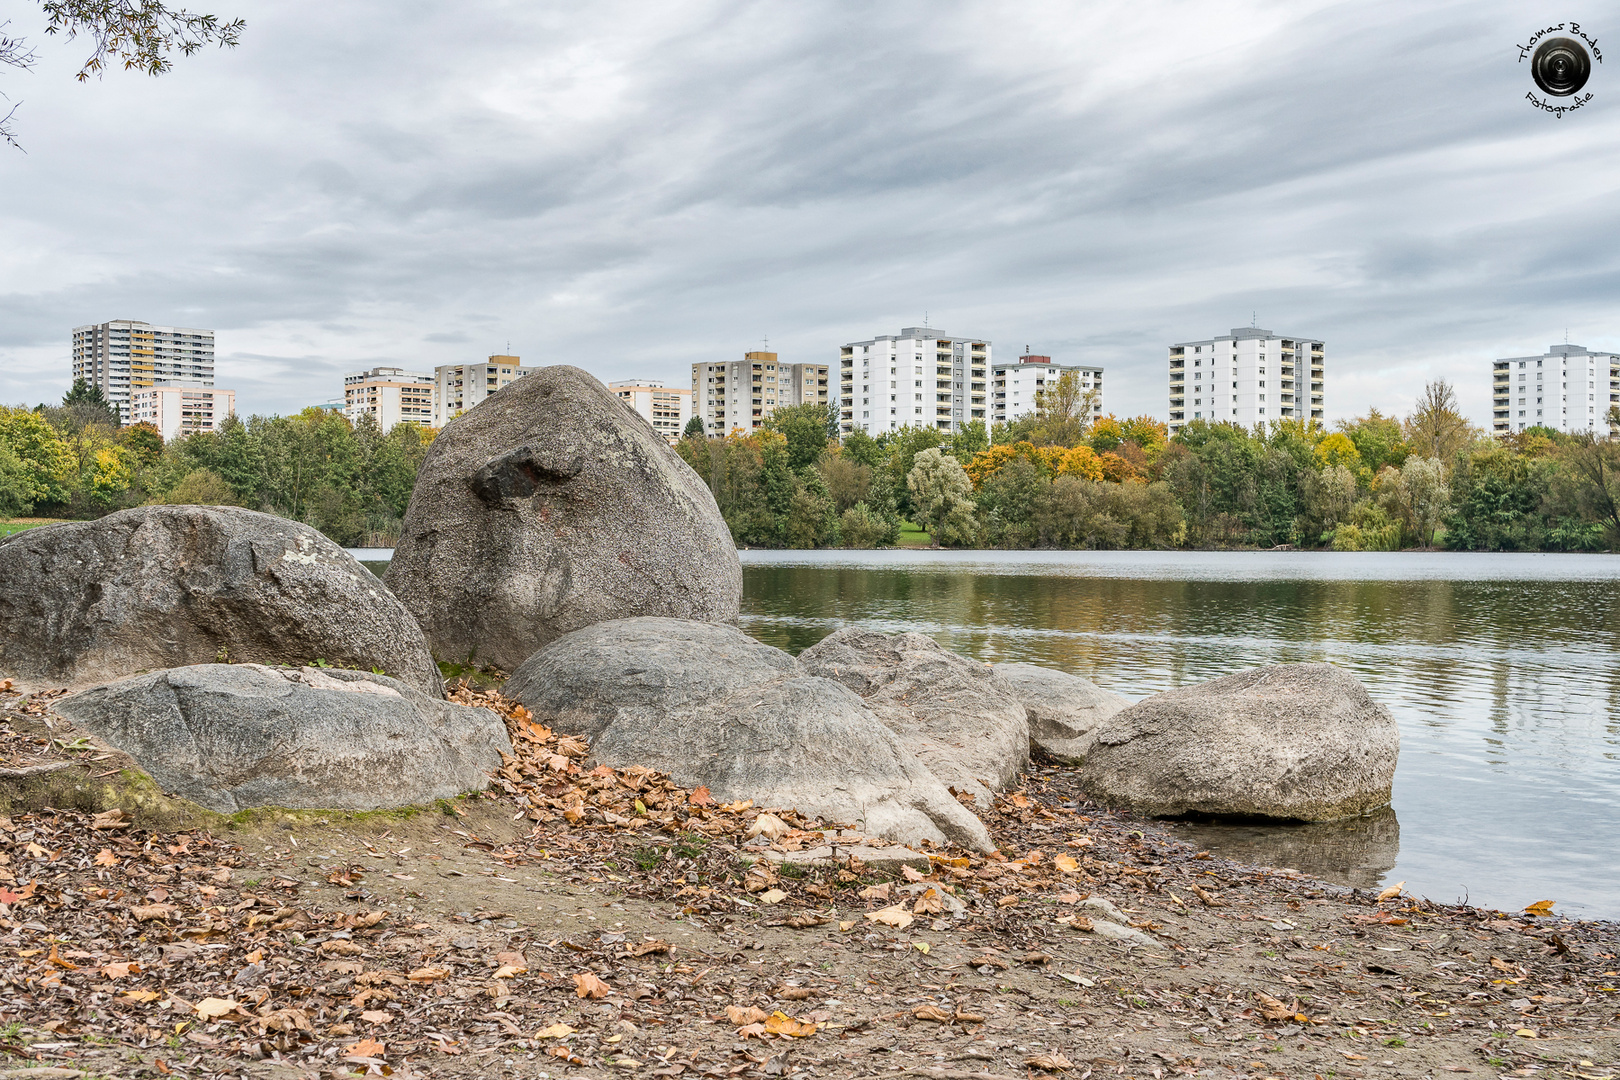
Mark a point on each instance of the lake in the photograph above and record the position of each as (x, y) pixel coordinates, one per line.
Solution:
(1502, 671)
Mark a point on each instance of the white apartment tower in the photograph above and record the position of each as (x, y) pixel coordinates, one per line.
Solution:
(389, 395)
(743, 393)
(1569, 389)
(1013, 387)
(458, 387)
(666, 408)
(125, 355)
(1248, 377)
(177, 411)
(918, 378)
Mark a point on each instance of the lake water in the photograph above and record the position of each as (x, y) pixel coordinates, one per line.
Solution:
(1502, 671)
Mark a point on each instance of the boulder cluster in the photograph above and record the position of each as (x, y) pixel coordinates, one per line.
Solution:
(245, 660)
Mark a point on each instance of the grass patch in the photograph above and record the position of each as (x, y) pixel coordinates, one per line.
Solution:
(17, 525)
(912, 536)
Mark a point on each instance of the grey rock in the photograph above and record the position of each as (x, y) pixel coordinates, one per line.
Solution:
(1063, 709)
(1301, 742)
(714, 708)
(156, 587)
(958, 716)
(883, 860)
(549, 506)
(646, 662)
(234, 736)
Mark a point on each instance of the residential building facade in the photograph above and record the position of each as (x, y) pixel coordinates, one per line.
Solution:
(666, 408)
(920, 377)
(458, 387)
(181, 410)
(743, 393)
(1013, 387)
(1568, 389)
(389, 395)
(126, 355)
(1247, 377)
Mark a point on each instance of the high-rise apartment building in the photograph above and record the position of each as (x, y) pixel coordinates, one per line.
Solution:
(1013, 387)
(181, 410)
(666, 408)
(1569, 389)
(743, 393)
(1248, 377)
(917, 378)
(126, 355)
(458, 387)
(389, 395)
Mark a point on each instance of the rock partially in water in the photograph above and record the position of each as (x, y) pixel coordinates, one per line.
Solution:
(550, 506)
(1358, 851)
(714, 708)
(84, 602)
(962, 719)
(234, 736)
(1063, 709)
(1299, 742)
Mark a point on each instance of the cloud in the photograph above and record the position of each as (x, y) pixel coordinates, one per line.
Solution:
(633, 188)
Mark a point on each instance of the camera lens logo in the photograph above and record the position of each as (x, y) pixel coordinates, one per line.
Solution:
(1561, 66)
(1561, 58)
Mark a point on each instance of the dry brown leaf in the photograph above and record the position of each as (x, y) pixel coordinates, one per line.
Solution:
(1066, 863)
(911, 873)
(428, 974)
(119, 970)
(769, 826)
(875, 892)
(153, 912)
(110, 819)
(965, 1017)
(746, 1014)
(647, 948)
(1392, 892)
(587, 985)
(212, 1008)
(558, 1030)
(105, 857)
(803, 920)
(1207, 898)
(365, 1048)
(895, 916)
(1007, 901)
(1273, 1009)
(376, 1016)
(142, 996)
(1540, 907)
(793, 993)
(1049, 1062)
(933, 1013)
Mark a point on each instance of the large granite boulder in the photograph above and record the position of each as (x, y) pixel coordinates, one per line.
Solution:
(84, 602)
(550, 506)
(1302, 742)
(714, 708)
(234, 736)
(958, 716)
(1063, 709)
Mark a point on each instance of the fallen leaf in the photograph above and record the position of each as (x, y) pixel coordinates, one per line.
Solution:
(1525, 1033)
(428, 974)
(507, 971)
(105, 857)
(365, 1048)
(142, 996)
(746, 1014)
(965, 1017)
(555, 1031)
(153, 912)
(933, 1013)
(875, 892)
(921, 946)
(213, 1007)
(896, 916)
(700, 797)
(587, 985)
(119, 970)
(56, 961)
(769, 826)
(780, 1023)
(1273, 1009)
(1007, 901)
(376, 1016)
(771, 896)
(110, 819)
(911, 873)
(1049, 1062)
(1392, 892)
(1540, 907)
(648, 948)
(846, 925)
(1067, 863)
(793, 993)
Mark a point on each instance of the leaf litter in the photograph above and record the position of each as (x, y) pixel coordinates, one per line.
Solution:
(198, 952)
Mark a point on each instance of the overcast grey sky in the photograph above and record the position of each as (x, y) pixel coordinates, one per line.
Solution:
(631, 187)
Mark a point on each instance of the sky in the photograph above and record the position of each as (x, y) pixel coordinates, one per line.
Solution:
(635, 187)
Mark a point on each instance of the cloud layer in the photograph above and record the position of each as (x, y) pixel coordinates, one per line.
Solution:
(633, 187)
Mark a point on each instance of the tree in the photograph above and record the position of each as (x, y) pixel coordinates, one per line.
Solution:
(805, 428)
(84, 405)
(1416, 494)
(1436, 429)
(1594, 465)
(142, 35)
(942, 496)
(694, 429)
(144, 440)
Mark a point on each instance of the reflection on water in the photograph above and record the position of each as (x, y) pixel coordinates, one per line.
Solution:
(1359, 852)
(1501, 670)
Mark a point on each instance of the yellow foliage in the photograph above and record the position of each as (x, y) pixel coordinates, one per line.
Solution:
(1337, 449)
(1081, 461)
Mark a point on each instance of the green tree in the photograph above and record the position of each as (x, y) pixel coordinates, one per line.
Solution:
(145, 441)
(805, 429)
(694, 428)
(1436, 429)
(904, 445)
(972, 439)
(861, 447)
(943, 497)
(200, 487)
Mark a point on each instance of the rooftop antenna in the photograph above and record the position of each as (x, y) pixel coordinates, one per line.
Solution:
(767, 340)
(1254, 319)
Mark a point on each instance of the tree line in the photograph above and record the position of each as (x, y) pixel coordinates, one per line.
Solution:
(1055, 478)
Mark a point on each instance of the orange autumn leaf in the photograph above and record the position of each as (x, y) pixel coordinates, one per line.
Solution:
(1540, 907)
(701, 797)
(780, 1023)
(105, 857)
(119, 970)
(587, 985)
(365, 1048)
(1066, 863)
